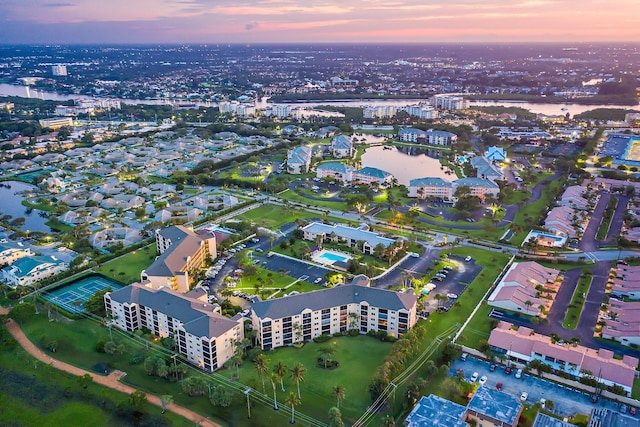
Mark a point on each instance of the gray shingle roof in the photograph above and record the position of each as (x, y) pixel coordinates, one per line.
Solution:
(340, 295)
(434, 411)
(198, 318)
(495, 404)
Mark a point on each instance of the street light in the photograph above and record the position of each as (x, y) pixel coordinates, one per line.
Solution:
(247, 392)
(509, 354)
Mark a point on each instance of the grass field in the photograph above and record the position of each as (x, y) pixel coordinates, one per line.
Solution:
(531, 213)
(358, 357)
(34, 394)
(273, 216)
(127, 268)
(290, 195)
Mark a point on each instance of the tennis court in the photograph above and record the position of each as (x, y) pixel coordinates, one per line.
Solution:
(73, 295)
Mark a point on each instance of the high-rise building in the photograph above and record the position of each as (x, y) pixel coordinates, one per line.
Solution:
(59, 70)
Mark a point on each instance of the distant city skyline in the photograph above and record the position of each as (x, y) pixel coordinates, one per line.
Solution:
(308, 21)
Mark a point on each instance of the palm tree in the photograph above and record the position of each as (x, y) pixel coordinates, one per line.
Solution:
(274, 381)
(280, 370)
(297, 374)
(261, 367)
(528, 304)
(292, 400)
(326, 351)
(338, 392)
(165, 401)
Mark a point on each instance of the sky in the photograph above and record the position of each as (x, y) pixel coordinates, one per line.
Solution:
(310, 21)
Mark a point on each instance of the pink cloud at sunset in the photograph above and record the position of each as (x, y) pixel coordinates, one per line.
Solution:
(308, 21)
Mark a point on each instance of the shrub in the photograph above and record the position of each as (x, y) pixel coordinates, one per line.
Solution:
(100, 346)
(322, 338)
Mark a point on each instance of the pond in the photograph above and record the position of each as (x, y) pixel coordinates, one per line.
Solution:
(407, 163)
(11, 196)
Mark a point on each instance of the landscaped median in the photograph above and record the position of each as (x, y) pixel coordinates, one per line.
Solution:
(574, 309)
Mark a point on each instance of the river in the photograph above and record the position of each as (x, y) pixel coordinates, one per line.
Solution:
(542, 108)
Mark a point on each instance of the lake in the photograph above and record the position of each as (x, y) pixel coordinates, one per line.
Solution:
(407, 163)
(12, 205)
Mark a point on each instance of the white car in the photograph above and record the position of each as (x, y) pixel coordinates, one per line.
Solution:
(318, 280)
(452, 296)
(519, 373)
(474, 377)
(523, 396)
(483, 380)
(468, 258)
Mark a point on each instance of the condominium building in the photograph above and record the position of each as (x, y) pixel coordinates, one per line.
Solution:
(361, 238)
(425, 188)
(527, 288)
(29, 270)
(181, 253)
(448, 101)
(302, 317)
(13, 251)
(523, 345)
(202, 334)
(478, 187)
(59, 70)
(341, 147)
(299, 159)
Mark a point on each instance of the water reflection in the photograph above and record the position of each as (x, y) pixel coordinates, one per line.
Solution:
(11, 194)
(407, 162)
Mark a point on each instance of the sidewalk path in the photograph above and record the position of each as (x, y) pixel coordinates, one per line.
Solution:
(111, 381)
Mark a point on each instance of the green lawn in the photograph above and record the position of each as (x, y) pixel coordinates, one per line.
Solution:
(290, 195)
(36, 394)
(273, 216)
(574, 309)
(532, 212)
(516, 197)
(127, 268)
(358, 357)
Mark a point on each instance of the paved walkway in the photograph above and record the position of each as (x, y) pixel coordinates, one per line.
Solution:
(111, 380)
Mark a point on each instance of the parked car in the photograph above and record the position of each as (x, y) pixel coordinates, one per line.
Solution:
(623, 408)
(474, 377)
(632, 410)
(499, 386)
(524, 396)
(318, 280)
(519, 373)
(492, 367)
(507, 370)
(468, 258)
(452, 296)
(483, 380)
(464, 357)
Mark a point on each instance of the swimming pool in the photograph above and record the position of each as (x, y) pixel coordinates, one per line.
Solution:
(329, 257)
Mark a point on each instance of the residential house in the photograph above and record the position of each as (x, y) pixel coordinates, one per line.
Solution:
(356, 306)
(563, 219)
(202, 334)
(425, 188)
(626, 282)
(181, 253)
(523, 345)
(526, 288)
(28, 271)
(622, 323)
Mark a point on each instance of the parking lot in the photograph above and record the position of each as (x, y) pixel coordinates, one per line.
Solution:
(566, 400)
